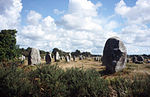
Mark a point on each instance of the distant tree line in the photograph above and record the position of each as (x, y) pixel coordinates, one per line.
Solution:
(9, 50)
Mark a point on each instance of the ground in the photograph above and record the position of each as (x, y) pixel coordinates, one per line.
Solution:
(89, 63)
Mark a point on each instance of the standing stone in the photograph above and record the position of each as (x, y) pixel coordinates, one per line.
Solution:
(80, 57)
(74, 58)
(84, 57)
(114, 55)
(140, 58)
(22, 58)
(34, 57)
(61, 58)
(69, 56)
(67, 59)
(134, 59)
(128, 60)
(44, 57)
(57, 57)
(48, 58)
(97, 58)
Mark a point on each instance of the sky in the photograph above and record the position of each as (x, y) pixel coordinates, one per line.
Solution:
(78, 24)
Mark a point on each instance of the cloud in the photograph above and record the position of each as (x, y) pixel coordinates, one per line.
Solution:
(82, 15)
(77, 29)
(33, 17)
(137, 14)
(80, 27)
(58, 12)
(135, 31)
(10, 13)
(39, 31)
(121, 8)
(83, 7)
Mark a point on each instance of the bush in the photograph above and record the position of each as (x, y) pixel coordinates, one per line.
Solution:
(140, 86)
(85, 83)
(13, 82)
(51, 81)
(136, 87)
(48, 82)
(122, 86)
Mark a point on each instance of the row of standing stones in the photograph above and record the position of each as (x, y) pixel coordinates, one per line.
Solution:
(114, 56)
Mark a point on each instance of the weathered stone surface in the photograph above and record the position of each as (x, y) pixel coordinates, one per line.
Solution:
(83, 57)
(61, 57)
(34, 57)
(134, 59)
(57, 57)
(67, 59)
(74, 58)
(114, 55)
(80, 57)
(44, 57)
(48, 58)
(97, 58)
(69, 56)
(128, 60)
(140, 58)
(22, 58)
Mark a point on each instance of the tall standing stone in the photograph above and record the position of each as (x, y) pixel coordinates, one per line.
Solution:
(34, 57)
(134, 59)
(80, 57)
(69, 56)
(48, 58)
(67, 59)
(74, 58)
(114, 55)
(57, 57)
(140, 58)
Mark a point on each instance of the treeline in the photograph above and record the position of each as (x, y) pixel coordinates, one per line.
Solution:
(77, 53)
(10, 51)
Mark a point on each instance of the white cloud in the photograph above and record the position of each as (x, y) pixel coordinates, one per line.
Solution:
(10, 13)
(135, 32)
(111, 25)
(80, 28)
(121, 8)
(82, 16)
(33, 17)
(58, 12)
(83, 7)
(137, 14)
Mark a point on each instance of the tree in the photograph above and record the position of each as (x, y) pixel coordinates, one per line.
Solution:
(8, 48)
(61, 53)
(86, 54)
(76, 53)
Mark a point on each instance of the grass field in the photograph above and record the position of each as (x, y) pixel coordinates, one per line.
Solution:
(89, 63)
(84, 78)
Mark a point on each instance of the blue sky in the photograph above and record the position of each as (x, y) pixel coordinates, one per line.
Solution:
(78, 24)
